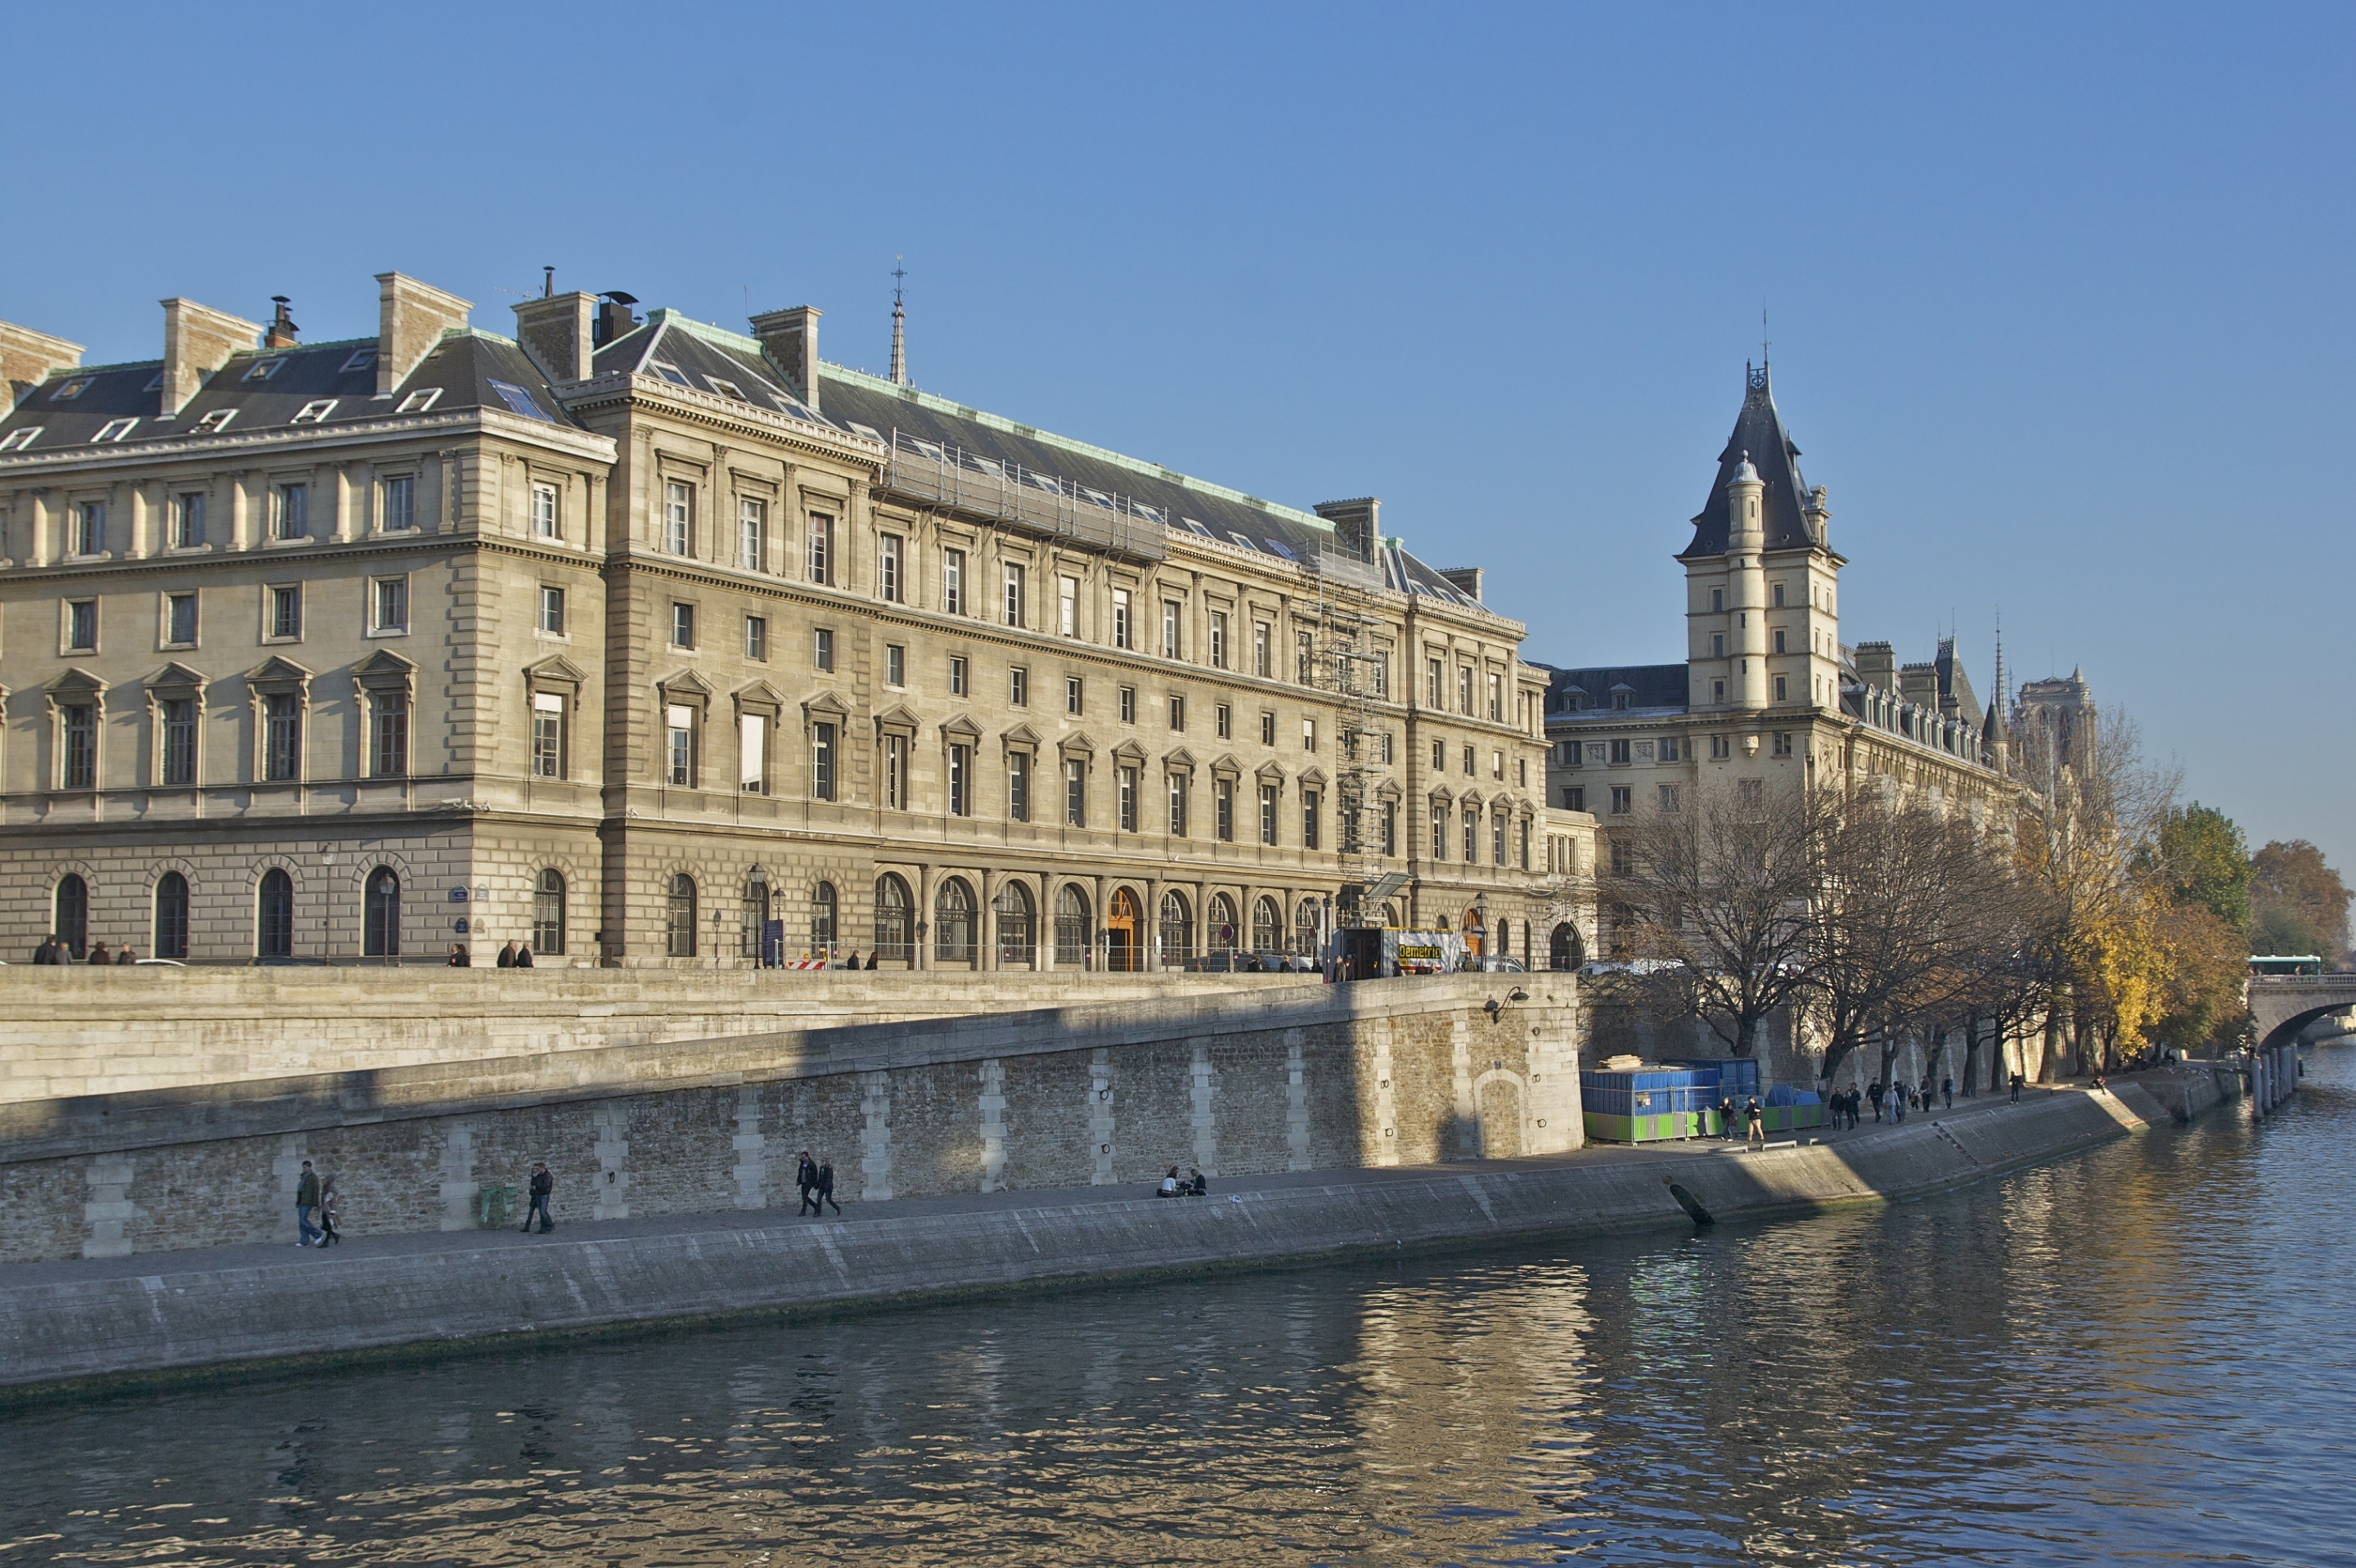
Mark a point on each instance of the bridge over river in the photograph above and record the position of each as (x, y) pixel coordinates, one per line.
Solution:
(2283, 1004)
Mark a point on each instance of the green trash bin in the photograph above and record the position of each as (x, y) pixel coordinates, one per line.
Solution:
(499, 1205)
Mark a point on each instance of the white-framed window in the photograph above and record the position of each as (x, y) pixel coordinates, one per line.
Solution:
(671, 373)
(1496, 697)
(682, 626)
(1074, 693)
(1128, 705)
(213, 423)
(895, 664)
(86, 529)
(1268, 736)
(1310, 802)
(888, 552)
(398, 512)
(359, 359)
(756, 638)
(262, 369)
(20, 439)
(1013, 594)
(551, 610)
(753, 752)
(1018, 686)
(312, 413)
(547, 513)
(822, 548)
(1263, 649)
(70, 390)
(1218, 639)
(1223, 810)
(822, 648)
(1171, 615)
(679, 744)
(78, 746)
(1309, 736)
(1018, 786)
(1126, 778)
(419, 401)
(752, 533)
(953, 581)
(1177, 712)
(1076, 792)
(895, 772)
(1067, 606)
(678, 518)
(956, 675)
(389, 604)
(1177, 805)
(1223, 718)
(82, 627)
(180, 620)
(115, 430)
(290, 512)
(283, 612)
(728, 388)
(1120, 630)
(960, 780)
(1267, 819)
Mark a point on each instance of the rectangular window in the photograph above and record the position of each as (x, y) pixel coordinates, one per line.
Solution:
(1440, 756)
(1669, 800)
(1390, 830)
(82, 627)
(1075, 691)
(179, 748)
(548, 734)
(1750, 795)
(957, 675)
(1218, 639)
(1304, 658)
(390, 604)
(1121, 618)
(960, 780)
(1067, 606)
(282, 736)
(1268, 729)
(1268, 812)
(1779, 603)
(22, 438)
(1170, 613)
(1718, 600)
(895, 772)
(1623, 800)
(1127, 778)
(290, 512)
(187, 521)
(1623, 858)
(1718, 645)
(1177, 805)
(1574, 799)
(895, 664)
(1223, 806)
(1719, 749)
(1718, 691)
(1781, 689)
(551, 610)
(682, 626)
(1497, 698)
(678, 733)
(752, 533)
(1076, 792)
(547, 523)
(78, 762)
(1013, 594)
(1223, 720)
(822, 649)
(86, 529)
(1667, 748)
(286, 610)
(1386, 748)
(1382, 673)
(1177, 713)
(756, 637)
(678, 518)
(1779, 641)
(822, 762)
(1128, 705)
(753, 752)
(1018, 686)
(389, 734)
(1018, 786)
(1309, 736)
(1620, 750)
(1432, 678)
(1497, 766)
(888, 552)
(1440, 830)
(1465, 690)
(953, 581)
(822, 548)
(1261, 637)
(1310, 801)
(1472, 835)
(1470, 771)
(1782, 747)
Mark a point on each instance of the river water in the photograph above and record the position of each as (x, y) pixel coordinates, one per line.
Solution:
(2144, 1354)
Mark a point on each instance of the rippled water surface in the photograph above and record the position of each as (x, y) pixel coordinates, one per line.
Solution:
(2143, 1354)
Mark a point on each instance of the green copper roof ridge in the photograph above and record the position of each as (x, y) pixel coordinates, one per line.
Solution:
(705, 329)
(1067, 443)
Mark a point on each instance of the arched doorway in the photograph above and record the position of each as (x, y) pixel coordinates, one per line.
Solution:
(380, 915)
(548, 913)
(1121, 923)
(72, 926)
(892, 933)
(1177, 929)
(1071, 927)
(1268, 927)
(1220, 938)
(678, 917)
(274, 915)
(1474, 934)
(753, 914)
(1565, 951)
(953, 909)
(822, 912)
(171, 916)
(1018, 927)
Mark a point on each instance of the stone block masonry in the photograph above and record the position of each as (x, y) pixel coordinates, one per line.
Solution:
(1236, 1081)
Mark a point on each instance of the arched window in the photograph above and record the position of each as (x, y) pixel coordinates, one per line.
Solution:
(548, 912)
(273, 916)
(1268, 927)
(1177, 927)
(1564, 950)
(1390, 914)
(171, 916)
(678, 917)
(1474, 933)
(755, 913)
(1018, 927)
(953, 924)
(1124, 933)
(1221, 935)
(72, 925)
(892, 933)
(1306, 928)
(381, 915)
(1072, 927)
(1505, 948)
(822, 927)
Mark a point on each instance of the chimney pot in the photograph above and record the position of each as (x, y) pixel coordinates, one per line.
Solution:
(283, 331)
(559, 332)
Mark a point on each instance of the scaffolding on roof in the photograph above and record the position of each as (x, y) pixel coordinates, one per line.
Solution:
(1347, 664)
(937, 474)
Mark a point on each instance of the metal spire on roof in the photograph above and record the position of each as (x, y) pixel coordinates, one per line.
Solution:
(899, 327)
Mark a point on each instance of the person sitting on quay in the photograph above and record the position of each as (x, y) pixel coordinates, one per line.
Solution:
(124, 954)
(1195, 1186)
(523, 956)
(1170, 1187)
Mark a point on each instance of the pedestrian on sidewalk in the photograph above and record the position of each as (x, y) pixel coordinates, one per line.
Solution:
(306, 1197)
(523, 956)
(1873, 1097)
(458, 959)
(1947, 1091)
(544, 1186)
(2016, 1088)
(1755, 1120)
(826, 1189)
(806, 1178)
(331, 1205)
(99, 954)
(505, 959)
(126, 954)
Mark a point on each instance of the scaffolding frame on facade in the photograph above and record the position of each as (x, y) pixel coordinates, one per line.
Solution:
(1346, 662)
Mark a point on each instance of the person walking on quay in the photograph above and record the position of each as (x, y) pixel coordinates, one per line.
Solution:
(2016, 1088)
(331, 1205)
(46, 952)
(458, 959)
(507, 954)
(1947, 1091)
(872, 955)
(99, 954)
(306, 1197)
(806, 1178)
(543, 1186)
(826, 1189)
(1873, 1097)
(1754, 1121)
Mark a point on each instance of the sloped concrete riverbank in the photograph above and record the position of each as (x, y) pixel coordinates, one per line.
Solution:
(70, 1325)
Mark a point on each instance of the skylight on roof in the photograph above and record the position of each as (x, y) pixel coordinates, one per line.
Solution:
(670, 373)
(1279, 546)
(418, 401)
(262, 369)
(154, 383)
(1196, 526)
(116, 429)
(361, 359)
(18, 439)
(1244, 541)
(71, 390)
(728, 388)
(519, 400)
(216, 420)
(314, 410)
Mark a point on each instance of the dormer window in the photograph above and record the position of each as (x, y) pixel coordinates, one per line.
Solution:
(727, 389)
(361, 359)
(18, 439)
(71, 390)
(312, 413)
(216, 420)
(115, 430)
(1619, 699)
(262, 369)
(521, 400)
(420, 401)
(670, 373)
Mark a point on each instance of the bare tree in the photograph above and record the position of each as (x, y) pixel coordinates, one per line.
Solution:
(1716, 898)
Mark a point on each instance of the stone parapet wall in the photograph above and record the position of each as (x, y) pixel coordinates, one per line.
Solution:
(1296, 1077)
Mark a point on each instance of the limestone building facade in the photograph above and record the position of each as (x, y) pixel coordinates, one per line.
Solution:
(648, 641)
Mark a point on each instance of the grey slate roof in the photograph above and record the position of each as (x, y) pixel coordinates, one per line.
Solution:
(1759, 432)
(1649, 685)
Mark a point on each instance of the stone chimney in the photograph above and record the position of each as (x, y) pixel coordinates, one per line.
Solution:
(197, 341)
(1467, 578)
(411, 319)
(282, 332)
(556, 331)
(1357, 524)
(27, 357)
(1876, 666)
(789, 337)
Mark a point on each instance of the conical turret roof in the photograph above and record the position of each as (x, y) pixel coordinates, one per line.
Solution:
(1759, 437)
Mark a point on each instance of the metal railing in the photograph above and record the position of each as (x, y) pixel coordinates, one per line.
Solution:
(938, 473)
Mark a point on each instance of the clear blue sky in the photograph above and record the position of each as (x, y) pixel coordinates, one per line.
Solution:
(2059, 295)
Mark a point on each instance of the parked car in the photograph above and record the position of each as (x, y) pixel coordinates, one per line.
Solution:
(1229, 963)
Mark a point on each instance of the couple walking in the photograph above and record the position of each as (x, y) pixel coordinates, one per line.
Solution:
(817, 1182)
(314, 1195)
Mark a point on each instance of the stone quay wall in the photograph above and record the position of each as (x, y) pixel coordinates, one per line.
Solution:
(1303, 1077)
(81, 1029)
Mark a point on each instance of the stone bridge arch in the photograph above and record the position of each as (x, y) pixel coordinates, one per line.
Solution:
(2282, 1005)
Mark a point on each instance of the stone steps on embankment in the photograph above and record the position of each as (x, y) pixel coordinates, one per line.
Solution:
(216, 1309)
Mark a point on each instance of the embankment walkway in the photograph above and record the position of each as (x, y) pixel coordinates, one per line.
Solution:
(67, 1323)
